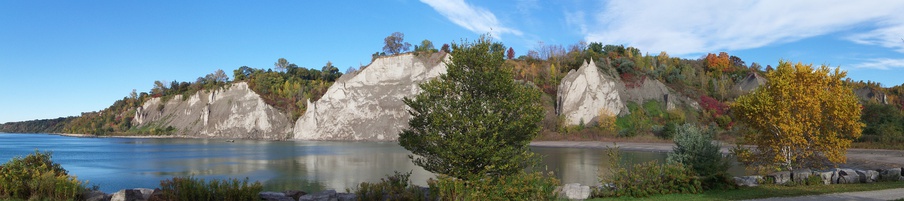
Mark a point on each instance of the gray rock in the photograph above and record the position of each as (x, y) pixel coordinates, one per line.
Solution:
(294, 194)
(367, 105)
(275, 196)
(847, 176)
(780, 177)
(584, 92)
(97, 196)
(891, 174)
(826, 176)
(867, 176)
(801, 175)
(347, 197)
(135, 194)
(748, 181)
(327, 195)
(575, 191)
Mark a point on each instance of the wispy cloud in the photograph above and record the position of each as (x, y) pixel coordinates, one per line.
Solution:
(472, 18)
(683, 28)
(881, 64)
(889, 35)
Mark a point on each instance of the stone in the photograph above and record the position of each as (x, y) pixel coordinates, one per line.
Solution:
(867, 176)
(234, 111)
(891, 174)
(294, 194)
(780, 177)
(135, 194)
(826, 176)
(327, 195)
(748, 181)
(367, 105)
(575, 191)
(275, 196)
(801, 175)
(847, 176)
(347, 197)
(97, 196)
(584, 92)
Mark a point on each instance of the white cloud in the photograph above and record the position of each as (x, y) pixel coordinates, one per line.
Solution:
(472, 18)
(881, 64)
(889, 35)
(683, 28)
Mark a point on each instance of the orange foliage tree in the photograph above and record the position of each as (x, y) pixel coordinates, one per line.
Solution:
(802, 118)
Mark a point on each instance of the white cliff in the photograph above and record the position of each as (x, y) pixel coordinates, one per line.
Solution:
(584, 93)
(367, 105)
(232, 112)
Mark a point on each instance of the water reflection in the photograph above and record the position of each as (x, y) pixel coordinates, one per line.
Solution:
(117, 163)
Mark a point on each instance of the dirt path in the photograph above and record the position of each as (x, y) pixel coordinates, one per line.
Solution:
(887, 194)
(859, 158)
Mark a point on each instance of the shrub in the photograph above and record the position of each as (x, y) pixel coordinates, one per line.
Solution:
(606, 121)
(190, 188)
(646, 179)
(521, 186)
(694, 149)
(393, 187)
(37, 177)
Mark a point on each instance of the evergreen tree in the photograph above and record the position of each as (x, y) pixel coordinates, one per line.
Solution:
(475, 119)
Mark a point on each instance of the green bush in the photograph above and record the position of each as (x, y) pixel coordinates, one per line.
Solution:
(521, 186)
(37, 177)
(393, 187)
(190, 188)
(646, 179)
(695, 149)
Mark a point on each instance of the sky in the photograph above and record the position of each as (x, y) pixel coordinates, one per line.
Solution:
(62, 58)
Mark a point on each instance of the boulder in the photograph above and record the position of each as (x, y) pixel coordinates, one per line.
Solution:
(135, 194)
(867, 176)
(585, 92)
(826, 176)
(97, 196)
(891, 174)
(575, 191)
(367, 105)
(748, 181)
(347, 197)
(327, 195)
(275, 196)
(780, 177)
(294, 194)
(801, 175)
(846, 176)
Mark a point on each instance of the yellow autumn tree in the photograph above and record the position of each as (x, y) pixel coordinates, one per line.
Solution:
(803, 117)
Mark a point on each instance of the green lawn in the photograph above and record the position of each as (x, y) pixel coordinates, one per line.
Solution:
(766, 191)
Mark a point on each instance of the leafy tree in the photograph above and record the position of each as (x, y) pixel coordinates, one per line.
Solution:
(426, 46)
(510, 54)
(802, 118)
(445, 48)
(694, 148)
(395, 44)
(475, 119)
(281, 64)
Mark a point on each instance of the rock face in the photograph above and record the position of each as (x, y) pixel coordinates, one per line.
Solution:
(584, 93)
(367, 105)
(232, 112)
(751, 82)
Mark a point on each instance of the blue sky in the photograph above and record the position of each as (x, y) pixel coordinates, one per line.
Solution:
(61, 58)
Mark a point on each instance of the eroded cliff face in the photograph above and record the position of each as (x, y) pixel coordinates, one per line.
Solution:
(232, 112)
(367, 105)
(583, 93)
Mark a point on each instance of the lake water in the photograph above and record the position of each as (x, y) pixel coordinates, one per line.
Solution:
(118, 163)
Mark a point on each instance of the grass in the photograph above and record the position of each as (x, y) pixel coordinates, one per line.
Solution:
(767, 191)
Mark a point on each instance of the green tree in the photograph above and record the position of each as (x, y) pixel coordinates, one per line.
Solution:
(475, 119)
(694, 148)
(281, 64)
(802, 118)
(395, 44)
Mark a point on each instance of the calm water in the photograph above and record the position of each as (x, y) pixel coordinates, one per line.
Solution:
(117, 163)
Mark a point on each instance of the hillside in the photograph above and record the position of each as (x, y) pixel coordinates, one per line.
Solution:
(590, 90)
